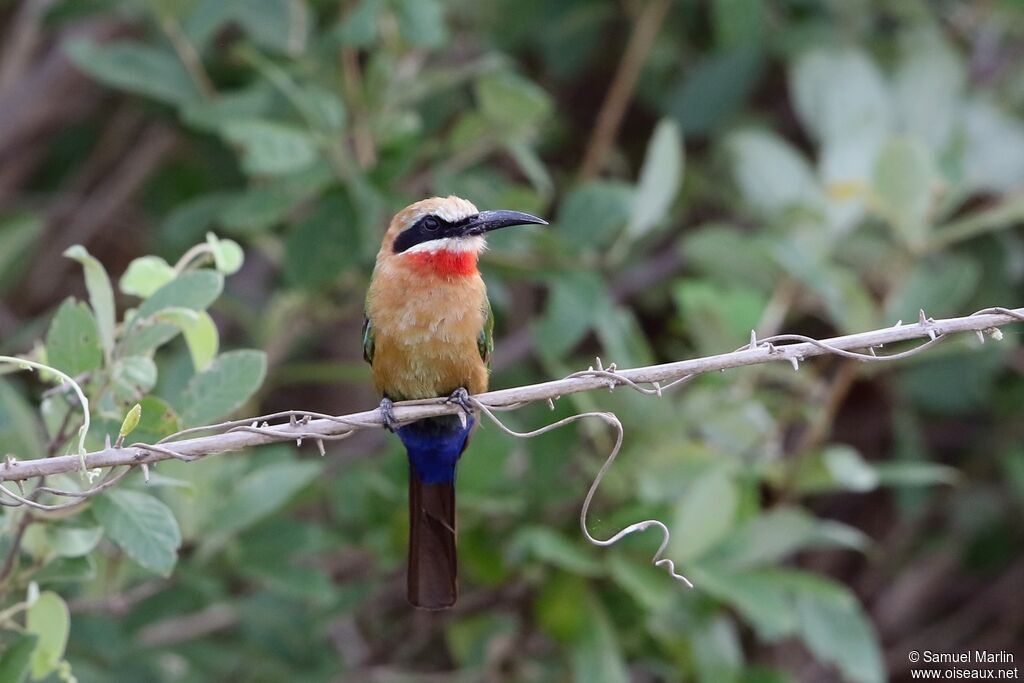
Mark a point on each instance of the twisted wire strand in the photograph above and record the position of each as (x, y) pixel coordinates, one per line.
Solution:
(776, 345)
(658, 560)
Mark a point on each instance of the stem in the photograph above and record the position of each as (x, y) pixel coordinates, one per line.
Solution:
(84, 430)
(12, 554)
(188, 56)
(189, 256)
(613, 109)
(1004, 214)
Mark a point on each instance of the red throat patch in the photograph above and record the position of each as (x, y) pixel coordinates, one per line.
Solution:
(444, 262)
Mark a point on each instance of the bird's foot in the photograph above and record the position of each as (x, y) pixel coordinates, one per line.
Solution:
(460, 397)
(387, 411)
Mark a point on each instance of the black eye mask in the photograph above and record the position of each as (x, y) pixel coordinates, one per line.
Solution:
(426, 229)
(431, 227)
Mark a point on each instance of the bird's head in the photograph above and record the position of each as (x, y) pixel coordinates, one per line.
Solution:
(445, 234)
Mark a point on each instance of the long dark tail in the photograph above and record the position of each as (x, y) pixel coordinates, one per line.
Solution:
(433, 446)
(432, 558)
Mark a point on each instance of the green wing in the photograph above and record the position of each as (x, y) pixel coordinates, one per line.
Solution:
(485, 340)
(367, 341)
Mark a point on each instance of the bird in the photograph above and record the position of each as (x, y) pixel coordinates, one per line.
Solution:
(427, 333)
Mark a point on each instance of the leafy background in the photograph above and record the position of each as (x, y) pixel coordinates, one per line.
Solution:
(226, 169)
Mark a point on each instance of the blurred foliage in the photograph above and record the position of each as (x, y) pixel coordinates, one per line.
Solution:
(846, 164)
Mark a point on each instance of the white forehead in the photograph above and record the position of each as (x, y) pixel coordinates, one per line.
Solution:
(450, 209)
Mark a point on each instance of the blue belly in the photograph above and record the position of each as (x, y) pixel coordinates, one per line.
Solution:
(434, 446)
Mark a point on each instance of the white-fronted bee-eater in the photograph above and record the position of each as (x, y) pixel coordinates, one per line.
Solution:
(428, 334)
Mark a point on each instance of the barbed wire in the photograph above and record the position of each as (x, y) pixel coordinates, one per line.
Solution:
(303, 425)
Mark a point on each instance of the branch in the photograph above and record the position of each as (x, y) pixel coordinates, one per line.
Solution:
(304, 425)
(613, 109)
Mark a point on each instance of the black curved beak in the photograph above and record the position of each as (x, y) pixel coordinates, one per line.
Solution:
(486, 221)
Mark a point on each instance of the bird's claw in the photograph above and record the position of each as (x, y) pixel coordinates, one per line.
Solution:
(387, 412)
(460, 397)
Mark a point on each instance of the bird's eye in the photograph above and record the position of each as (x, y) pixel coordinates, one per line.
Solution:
(431, 224)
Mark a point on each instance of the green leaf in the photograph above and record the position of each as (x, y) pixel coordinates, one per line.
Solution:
(205, 20)
(660, 179)
(16, 660)
(839, 94)
(200, 333)
(271, 148)
(824, 614)
(67, 570)
(836, 630)
(561, 606)
(846, 300)
(212, 114)
(259, 494)
(622, 340)
(757, 595)
(228, 256)
(915, 474)
(72, 342)
(748, 254)
(280, 25)
(718, 317)
(359, 27)
(575, 303)
(101, 294)
(927, 89)
(596, 656)
(902, 185)
(137, 68)
(954, 384)
(553, 548)
(849, 469)
(158, 419)
(643, 581)
(323, 107)
(421, 22)
(530, 163)
(142, 526)
(73, 541)
(257, 209)
(203, 340)
(704, 516)
(131, 421)
(770, 173)
(593, 214)
(774, 535)
(48, 619)
(511, 102)
(132, 378)
(993, 147)
(471, 639)
(940, 285)
(19, 435)
(224, 386)
(737, 23)
(194, 290)
(717, 651)
(187, 222)
(713, 91)
(143, 338)
(18, 236)
(324, 245)
(145, 275)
